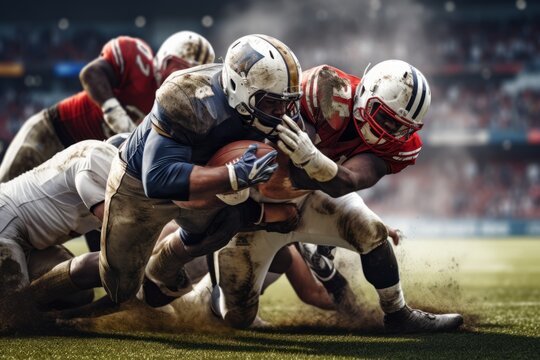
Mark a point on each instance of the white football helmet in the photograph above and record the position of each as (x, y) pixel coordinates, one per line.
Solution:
(182, 50)
(258, 67)
(390, 104)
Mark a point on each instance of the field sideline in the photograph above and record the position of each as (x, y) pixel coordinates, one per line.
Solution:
(494, 283)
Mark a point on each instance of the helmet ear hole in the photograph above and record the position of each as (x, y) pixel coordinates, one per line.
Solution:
(233, 85)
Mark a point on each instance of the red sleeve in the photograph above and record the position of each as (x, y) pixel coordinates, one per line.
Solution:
(404, 156)
(125, 52)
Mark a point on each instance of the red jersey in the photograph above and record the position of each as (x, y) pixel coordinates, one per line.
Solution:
(328, 104)
(132, 60)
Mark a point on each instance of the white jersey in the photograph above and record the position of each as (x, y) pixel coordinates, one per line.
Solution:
(54, 199)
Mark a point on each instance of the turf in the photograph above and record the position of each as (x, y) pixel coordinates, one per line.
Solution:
(494, 283)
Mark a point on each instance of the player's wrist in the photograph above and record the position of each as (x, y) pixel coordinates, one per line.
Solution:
(321, 168)
(109, 105)
(233, 179)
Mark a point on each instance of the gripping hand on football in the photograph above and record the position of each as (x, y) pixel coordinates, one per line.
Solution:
(250, 170)
(298, 146)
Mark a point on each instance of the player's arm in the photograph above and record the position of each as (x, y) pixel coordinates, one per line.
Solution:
(359, 172)
(313, 170)
(308, 289)
(167, 171)
(98, 79)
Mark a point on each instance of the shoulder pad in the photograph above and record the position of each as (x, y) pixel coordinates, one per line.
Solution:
(183, 97)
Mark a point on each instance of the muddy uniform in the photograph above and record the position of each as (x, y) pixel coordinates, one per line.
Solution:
(79, 117)
(345, 221)
(47, 206)
(190, 120)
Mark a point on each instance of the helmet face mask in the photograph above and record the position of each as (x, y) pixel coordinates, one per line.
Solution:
(261, 78)
(383, 124)
(180, 51)
(267, 110)
(390, 104)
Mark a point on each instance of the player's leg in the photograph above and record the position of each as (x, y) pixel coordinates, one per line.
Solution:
(34, 143)
(240, 269)
(363, 230)
(60, 280)
(131, 226)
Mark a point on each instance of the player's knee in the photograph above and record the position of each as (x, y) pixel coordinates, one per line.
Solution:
(241, 318)
(365, 235)
(120, 288)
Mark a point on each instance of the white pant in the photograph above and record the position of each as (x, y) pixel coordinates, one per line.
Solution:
(242, 265)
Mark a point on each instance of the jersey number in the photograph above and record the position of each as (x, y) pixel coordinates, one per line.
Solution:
(143, 49)
(342, 107)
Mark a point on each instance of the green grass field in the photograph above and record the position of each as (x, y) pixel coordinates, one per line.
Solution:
(494, 283)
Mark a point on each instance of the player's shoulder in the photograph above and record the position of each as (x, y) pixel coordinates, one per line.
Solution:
(123, 48)
(328, 95)
(182, 93)
(327, 75)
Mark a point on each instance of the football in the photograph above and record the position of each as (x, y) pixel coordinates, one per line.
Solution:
(279, 187)
(235, 150)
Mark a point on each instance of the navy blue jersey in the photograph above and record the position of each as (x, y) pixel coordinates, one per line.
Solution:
(189, 122)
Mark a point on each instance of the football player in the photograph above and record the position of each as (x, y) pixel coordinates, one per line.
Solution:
(362, 130)
(196, 112)
(43, 208)
(119, 88)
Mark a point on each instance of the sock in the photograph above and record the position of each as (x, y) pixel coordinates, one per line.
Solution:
(391, 298)
(380, 266)
(54, 284)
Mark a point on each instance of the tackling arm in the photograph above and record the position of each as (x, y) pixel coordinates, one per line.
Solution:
(313, 170)
(359, 172)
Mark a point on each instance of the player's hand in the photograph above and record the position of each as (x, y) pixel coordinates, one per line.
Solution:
(116, 117)
(396, 235)
(320, 259)
(250, 170)
(298, 146)
(136, 115)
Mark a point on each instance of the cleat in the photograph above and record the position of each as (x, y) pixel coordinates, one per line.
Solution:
(409, 320)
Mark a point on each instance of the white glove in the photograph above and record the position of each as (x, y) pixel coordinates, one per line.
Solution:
(116, 117)
(297, 145)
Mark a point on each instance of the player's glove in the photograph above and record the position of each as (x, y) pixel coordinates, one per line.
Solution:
(116, 117)
(297, 145)
(320, 259)
(250, 170)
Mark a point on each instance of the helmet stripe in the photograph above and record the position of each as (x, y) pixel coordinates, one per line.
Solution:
(414, 91)
(206, 53)
(199, 51)
(290, 63)
(422, 98)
